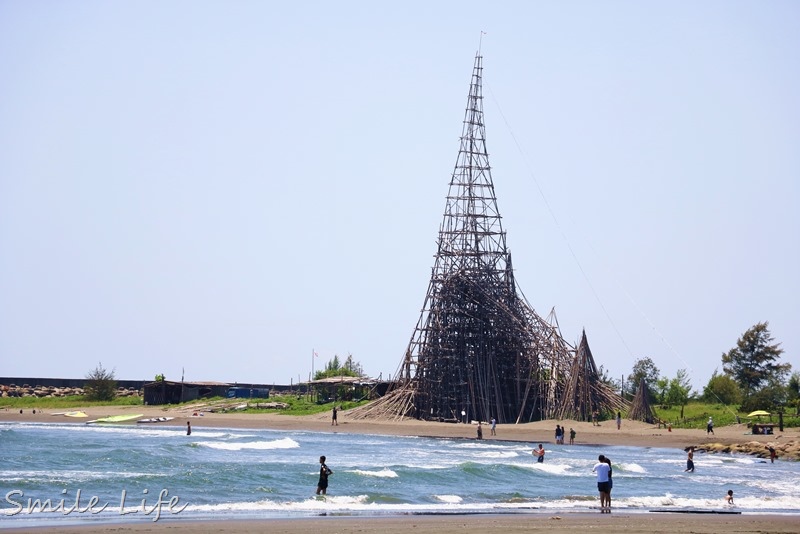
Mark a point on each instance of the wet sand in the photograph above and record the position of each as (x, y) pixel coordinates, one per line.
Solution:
(644, 523)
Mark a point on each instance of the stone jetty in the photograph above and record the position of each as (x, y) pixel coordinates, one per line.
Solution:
(785, 449)
(25, 390)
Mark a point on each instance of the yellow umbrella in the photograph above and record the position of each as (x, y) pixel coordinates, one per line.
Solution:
(757, 413)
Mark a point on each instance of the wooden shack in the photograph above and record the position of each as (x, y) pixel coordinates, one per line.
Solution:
(341, 388)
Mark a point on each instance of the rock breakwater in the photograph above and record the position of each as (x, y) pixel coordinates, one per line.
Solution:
(25, 390)
(786, 450)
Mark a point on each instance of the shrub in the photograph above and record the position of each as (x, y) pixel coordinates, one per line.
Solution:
(100, 384)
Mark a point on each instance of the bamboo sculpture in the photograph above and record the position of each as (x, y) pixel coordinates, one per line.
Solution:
(479, 350)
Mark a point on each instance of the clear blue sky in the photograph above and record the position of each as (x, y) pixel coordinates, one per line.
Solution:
(225, 186)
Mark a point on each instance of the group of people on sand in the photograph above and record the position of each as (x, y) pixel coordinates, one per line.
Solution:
(560, 431)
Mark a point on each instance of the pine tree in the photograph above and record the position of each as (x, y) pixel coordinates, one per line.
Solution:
(753, 363)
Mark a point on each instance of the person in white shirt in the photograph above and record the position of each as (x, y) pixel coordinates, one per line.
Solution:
(602, 469)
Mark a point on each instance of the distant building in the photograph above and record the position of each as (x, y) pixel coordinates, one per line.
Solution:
(247, 393)
(167, 392)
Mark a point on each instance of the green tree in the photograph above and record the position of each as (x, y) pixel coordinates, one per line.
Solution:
(644, 368)
(770, 397)
(679, 390)
(100, 384)
(351, 365)
(753, 363)
(334, 367)
(333, 364)
(793, 391)
(722, 389)
(662, 386)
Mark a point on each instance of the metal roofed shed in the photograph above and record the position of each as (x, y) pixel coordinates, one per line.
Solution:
(168, 392)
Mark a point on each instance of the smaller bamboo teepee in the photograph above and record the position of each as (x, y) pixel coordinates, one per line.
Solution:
(585, 391)
(640, 408)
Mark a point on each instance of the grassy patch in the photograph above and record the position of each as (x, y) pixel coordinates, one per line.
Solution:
(696, 414)
(299, 406)
(55, 403)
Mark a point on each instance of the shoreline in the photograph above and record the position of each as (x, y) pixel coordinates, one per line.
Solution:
(632, 433)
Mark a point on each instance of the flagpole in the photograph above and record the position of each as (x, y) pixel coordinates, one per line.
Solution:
(311, 376)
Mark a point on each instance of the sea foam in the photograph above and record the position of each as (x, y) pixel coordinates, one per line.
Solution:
(285, 443)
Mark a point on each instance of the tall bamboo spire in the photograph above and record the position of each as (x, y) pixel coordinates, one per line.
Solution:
(472, 352)
(478, 350)
(471, 235)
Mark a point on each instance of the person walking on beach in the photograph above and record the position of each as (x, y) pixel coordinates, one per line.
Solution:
(602, 469)
(619, 420)
(571, 436)
(324, 473)
(188, 428)
(494, 426)
(333, 417)
(558, 434)
(690, 461)
(594, 418)
(480, 431)
(539, 453)
(710, 426)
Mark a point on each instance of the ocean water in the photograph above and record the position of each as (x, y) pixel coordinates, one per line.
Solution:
(127, 470)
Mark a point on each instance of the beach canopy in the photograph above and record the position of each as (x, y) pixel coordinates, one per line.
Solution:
(757, 413)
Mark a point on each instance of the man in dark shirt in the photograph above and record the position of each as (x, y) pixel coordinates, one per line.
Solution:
(324, 472)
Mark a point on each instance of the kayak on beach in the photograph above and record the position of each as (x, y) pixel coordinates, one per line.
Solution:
(155, 419)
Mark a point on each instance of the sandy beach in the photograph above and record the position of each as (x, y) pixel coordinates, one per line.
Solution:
(457, 524)
(632, 433)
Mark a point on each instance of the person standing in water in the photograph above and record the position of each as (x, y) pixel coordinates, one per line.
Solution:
(610, 484)
(324, 473)
(772, 453)
(690, 461)
(602, 469)
(188, 428)
(539, 453)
